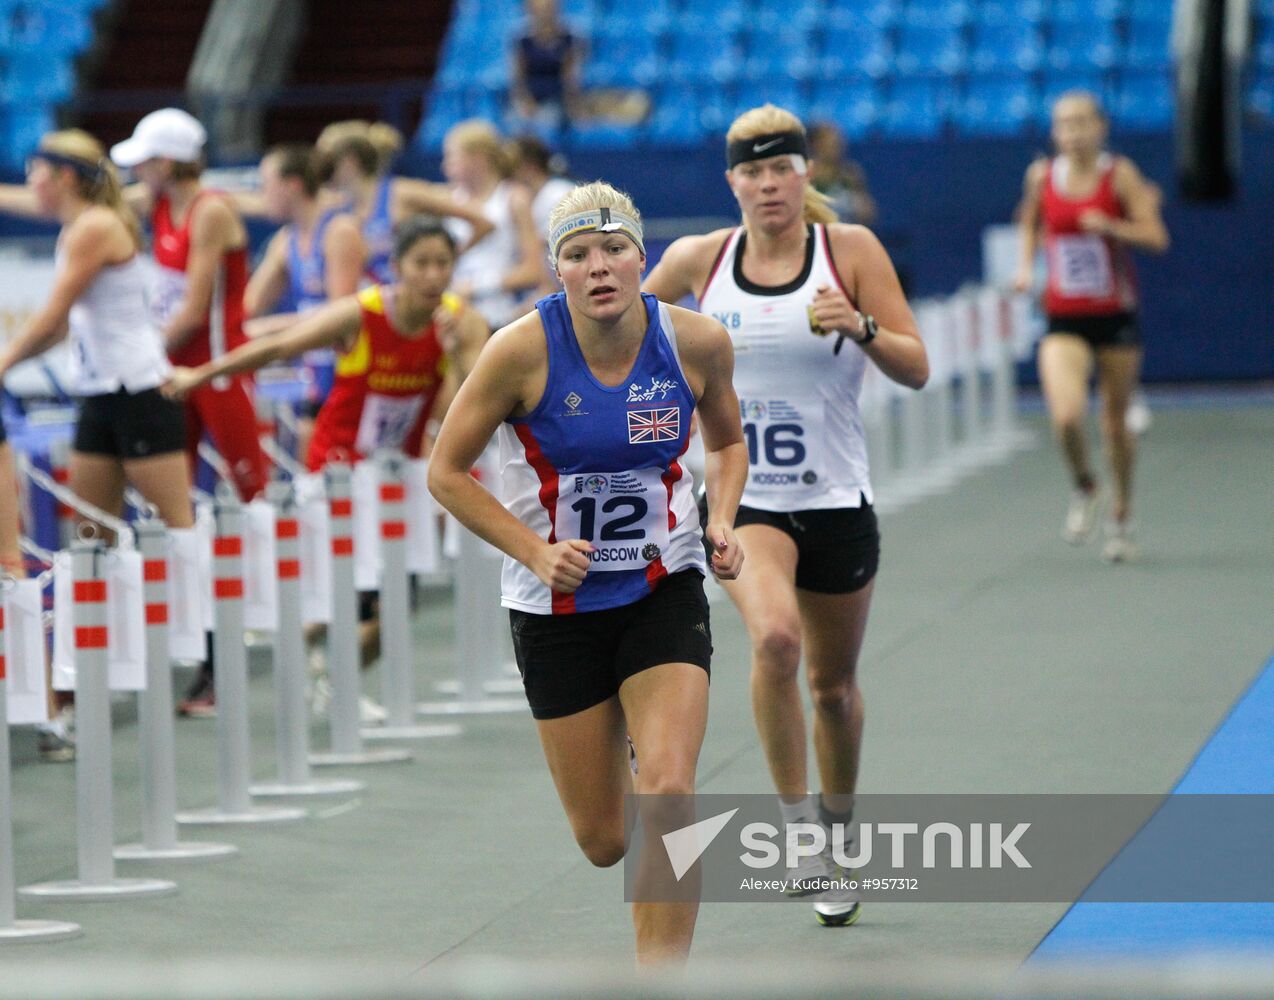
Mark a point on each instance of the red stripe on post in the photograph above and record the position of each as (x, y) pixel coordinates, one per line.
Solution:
(156, 614)
(227, 588)
(289, 569)
(342, 546)
(343, 508)
(289, 528)
(393, 493)
(90, 591)
(393, 529)
(93, 637)
(230, 545)
(155, 570)
(2, 674)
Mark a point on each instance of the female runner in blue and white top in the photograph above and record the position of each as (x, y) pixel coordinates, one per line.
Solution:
(592, 396)
(126, 430)
(782, 283)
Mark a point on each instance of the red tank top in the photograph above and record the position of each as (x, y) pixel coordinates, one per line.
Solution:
(1088, 274)
(384, 385)
(223, 329)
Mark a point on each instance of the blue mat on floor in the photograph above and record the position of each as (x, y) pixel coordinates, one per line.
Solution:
(1237, 760)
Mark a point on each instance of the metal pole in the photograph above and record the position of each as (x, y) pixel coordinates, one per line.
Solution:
(398, 688)
(94, 819)
(292, 724)
(234, 800)
(342, 636)
(11, 928)
(155, 720)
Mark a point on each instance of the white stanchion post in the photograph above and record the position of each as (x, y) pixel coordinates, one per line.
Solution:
(155, 720)
(94, 817)
(398, 687)
(1004, 376)
(873, 406)
(342, 637)
(234, 741)
(962, 314)
(13, 930)
(479, 654)
(292, 724)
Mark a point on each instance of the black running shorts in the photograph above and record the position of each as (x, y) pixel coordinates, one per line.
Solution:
(572, 662)
(1111, 330)
(837, 550)
(129, 425)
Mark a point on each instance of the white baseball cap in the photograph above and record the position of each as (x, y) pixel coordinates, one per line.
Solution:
(169, 134)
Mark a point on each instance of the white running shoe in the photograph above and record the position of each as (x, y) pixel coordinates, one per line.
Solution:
(370, 712)
(1138, 418)
(1081, 516)
(806, 878)
(1119, 546)
(838, 905)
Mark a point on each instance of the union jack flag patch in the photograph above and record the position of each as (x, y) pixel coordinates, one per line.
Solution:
(648, 426)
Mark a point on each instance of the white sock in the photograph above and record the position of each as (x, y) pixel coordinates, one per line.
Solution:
(801, 811)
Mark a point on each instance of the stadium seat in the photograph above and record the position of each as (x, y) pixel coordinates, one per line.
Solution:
(1144, 100)
(916, 109)
(782, 53)
(786, 94)
(1000, 47)
(1148, 45)
(930, 49)
(859, 50)
(996, 106)
(675, 120)
(855, 14)
(725, 15)
(1152, 10)
(603, 135)
(34, 76)
(1085, 11)
(1080, 45)
(692, 61)
(853, 105)
(779, 15)
(1000, 12)
(20, 132)
(621, 59)
(935, 13)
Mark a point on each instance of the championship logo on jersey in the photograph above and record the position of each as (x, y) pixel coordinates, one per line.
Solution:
(649, 426)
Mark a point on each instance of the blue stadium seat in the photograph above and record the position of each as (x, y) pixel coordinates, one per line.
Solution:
(930, 49)
(714, 104)
(20, 132)
(1148, 44)
(999, 47)
(935, 13)
(757, 92)
(1085, 11)
(724, 15)
(853, 105)
(786, 53)
(916, 109)
(36, 76)
(859, 50)
(996, 106)
(691, 61)
(1008, 12)
(845, 15)
(603, 135)
(1144, 100)
(1083, 45)
(675, 121)
(778, 15)
(621, 59)
(1151, 10)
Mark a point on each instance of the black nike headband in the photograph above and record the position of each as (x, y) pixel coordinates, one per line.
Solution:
(762, 147)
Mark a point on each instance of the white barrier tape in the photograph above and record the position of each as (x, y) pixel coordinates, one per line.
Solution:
(123, 531)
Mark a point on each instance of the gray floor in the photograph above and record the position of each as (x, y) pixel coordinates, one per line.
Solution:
(999, 659)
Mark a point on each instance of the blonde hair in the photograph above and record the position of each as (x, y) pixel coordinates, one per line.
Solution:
(587, 197)
(98, 182)
(388, 142)
(477, 135)
(337, 132)
(770, 118)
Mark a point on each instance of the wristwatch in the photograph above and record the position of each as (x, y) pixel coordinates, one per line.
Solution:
(867, 326)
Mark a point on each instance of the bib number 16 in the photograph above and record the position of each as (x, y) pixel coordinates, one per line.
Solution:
(779, 444)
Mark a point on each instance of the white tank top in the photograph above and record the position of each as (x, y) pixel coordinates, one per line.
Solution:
(114, 341)
(799, 400)
(546, 199)
(484, 265)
